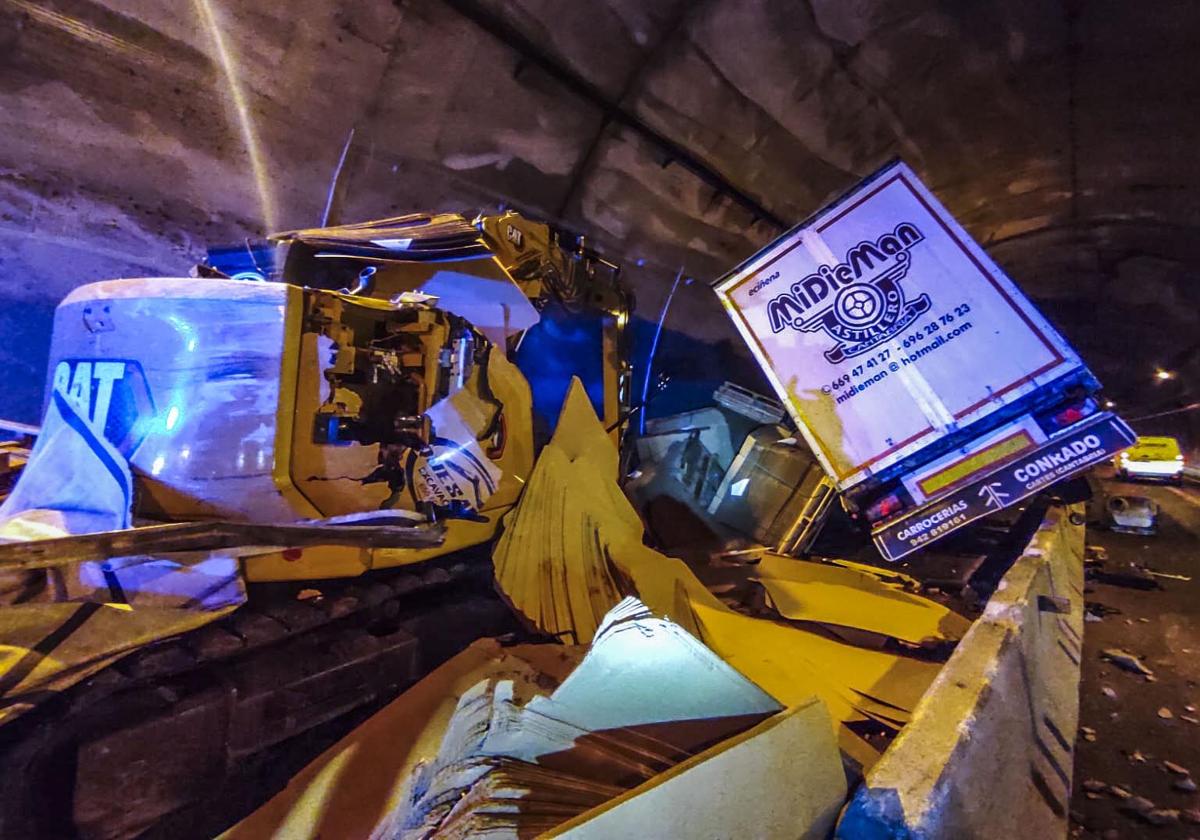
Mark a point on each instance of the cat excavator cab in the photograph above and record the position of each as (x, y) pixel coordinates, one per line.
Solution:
(261, 499)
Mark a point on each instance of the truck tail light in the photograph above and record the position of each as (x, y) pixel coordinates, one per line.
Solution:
(1066, 417)
(885, 507)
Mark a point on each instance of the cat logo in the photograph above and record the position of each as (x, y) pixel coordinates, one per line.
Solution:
(110, 395)
(515, 236)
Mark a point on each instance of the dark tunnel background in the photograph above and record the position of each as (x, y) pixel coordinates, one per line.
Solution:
(1062, 134)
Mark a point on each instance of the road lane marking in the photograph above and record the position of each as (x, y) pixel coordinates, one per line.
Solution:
(1187, 497)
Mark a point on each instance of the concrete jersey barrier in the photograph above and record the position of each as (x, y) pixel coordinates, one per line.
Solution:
(989, 751)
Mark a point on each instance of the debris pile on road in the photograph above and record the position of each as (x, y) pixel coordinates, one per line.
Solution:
(646, 696)
(842, 597)
(1139, 689)
(573, 547)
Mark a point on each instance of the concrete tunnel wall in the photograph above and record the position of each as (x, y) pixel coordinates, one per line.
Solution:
(1062, 135)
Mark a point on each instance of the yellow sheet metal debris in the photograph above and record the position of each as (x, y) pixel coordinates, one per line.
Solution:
(783, 777)
(349, 789)
(550, 562)
(806, 591)
(517, 741)
(577, 549)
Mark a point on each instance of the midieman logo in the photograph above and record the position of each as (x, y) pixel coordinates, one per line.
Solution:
(857, 313)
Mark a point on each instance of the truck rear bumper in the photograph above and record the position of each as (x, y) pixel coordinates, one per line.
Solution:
(1061, 457)
(1151, 470)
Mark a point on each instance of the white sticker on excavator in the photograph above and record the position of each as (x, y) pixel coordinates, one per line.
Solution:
(455, 469)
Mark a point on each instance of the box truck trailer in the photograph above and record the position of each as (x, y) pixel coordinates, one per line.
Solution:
(929, 387)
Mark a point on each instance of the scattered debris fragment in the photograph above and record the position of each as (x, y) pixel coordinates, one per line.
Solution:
(1133, 514)
(507, 768)
(1094, 610)
(1186, 784)
(1088, 733)
(806, 591)
(573, 546)
(1126, 661)
(735, 557)
(1108, 692)
(1165, 713)
(1137, 758)
(1094, 786)
(1166, 576)
(749, 403)
(1162, 816)
(1128, 575)
(1120, 792)
(1139, 805)
(1177, 769)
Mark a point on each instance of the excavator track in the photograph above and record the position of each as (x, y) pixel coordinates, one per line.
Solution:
(206, 725)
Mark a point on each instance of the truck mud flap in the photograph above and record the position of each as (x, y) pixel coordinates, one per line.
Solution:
(1034, 471)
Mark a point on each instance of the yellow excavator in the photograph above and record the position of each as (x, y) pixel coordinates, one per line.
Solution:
(259, 499)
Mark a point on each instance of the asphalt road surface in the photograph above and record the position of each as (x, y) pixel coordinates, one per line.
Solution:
(1136, 722)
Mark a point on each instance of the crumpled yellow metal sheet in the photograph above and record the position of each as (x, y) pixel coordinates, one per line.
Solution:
(805, 591)
(893, 578)
(735, 788)
(573, 548)
(550, 561)
(788, 663)
(348, 790)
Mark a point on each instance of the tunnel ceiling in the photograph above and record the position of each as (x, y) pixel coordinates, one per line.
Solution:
(670, 133)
